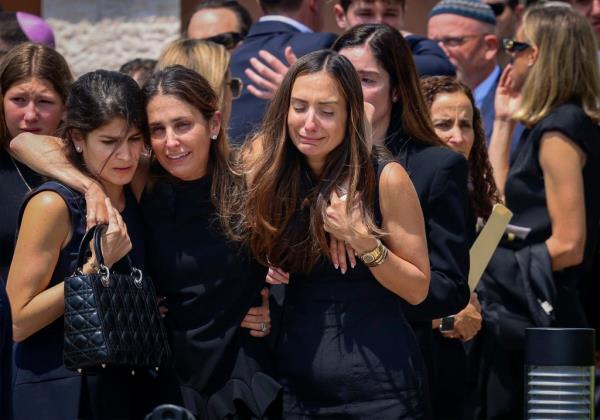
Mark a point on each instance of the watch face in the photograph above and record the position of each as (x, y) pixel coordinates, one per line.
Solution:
(368, 259)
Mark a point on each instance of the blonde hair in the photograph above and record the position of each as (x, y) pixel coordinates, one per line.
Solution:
(206, 58)
(567, 65)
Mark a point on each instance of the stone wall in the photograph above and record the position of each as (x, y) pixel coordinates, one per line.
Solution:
(94, 34)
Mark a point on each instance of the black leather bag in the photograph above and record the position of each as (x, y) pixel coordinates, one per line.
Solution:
(111, 319)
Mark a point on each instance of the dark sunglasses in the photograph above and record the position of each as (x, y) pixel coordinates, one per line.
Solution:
(497, 8)
(236, 85)
(510, 45)
(227, 39)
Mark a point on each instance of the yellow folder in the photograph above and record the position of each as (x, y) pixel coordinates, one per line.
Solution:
(486, 243)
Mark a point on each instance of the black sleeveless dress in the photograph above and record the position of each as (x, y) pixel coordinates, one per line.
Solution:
(209, 285)
(345, 348)
(15, 180)
(503, 296)
(43, 387)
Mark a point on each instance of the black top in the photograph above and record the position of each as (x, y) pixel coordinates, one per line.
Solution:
(13, 191)
(440, 177)
(40, 374)
(345, 349)
(209, 284)
(525, 190)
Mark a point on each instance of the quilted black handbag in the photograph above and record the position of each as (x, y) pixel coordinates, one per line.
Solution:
(111, 319)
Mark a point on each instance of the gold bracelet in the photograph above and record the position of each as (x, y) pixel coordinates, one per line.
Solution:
(376, 256)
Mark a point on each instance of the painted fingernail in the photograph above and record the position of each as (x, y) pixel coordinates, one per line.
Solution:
(336, 266)
(343, 270)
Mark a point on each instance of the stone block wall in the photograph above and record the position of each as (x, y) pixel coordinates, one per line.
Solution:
(94, 34)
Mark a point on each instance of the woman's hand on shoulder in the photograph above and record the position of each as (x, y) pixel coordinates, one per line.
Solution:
(277, 276)
(258, 318)
(115, 239)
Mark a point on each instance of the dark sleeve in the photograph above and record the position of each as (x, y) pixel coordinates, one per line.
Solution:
(450, 231)
(572, 121)
(429, 57)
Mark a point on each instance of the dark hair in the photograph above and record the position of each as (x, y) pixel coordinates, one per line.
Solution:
(32, 60)
(243, 16)
(346, 3)
(137, 64)
(11, 33)
(95, 99)
(144, 65)
(483, 194)
(277, 6)
(280, 171)
(409, 113)
(190, 87)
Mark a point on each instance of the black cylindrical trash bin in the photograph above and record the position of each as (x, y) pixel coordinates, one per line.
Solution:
(559, 373)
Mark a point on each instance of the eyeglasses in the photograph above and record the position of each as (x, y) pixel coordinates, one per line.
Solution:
(511, 46)
(497, 8)
(455, 41)
(227, 39)
(236, 85)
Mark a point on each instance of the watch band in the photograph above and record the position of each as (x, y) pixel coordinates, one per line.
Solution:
(376, 256)
(447, 323)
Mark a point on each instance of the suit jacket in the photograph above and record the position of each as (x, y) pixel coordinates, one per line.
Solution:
(247, 111)
(440, 177)
(430, 59)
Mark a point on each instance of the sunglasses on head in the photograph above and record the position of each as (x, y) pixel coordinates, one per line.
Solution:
(236, 85)
(510, 45)
(227, 39)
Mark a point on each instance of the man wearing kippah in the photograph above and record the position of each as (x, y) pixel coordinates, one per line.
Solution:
(465, 29)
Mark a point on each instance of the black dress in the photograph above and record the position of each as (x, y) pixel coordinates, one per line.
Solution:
(43, 387)
(209, 284)
(13, 189)
(503, 292)
(345, 349)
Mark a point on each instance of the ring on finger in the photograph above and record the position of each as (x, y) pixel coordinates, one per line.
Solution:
(263, 327)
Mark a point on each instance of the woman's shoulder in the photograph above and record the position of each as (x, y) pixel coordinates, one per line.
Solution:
(571, 120)
(567, 117)
(432, 159)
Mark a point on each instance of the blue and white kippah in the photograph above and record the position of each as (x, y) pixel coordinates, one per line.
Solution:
(474, 9)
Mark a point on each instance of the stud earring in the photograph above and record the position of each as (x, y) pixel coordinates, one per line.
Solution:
(78, 149)
(213, 137)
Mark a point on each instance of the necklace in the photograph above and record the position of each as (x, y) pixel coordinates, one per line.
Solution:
(19, 172)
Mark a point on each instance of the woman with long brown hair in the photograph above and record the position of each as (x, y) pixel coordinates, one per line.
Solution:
(337, 354)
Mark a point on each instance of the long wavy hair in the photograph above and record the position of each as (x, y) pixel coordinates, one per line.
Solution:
(409, 112)
(286, 203)
(190, 87)
(567, 65)
(483, 194)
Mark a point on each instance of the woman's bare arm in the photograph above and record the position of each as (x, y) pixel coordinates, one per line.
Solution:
(45, 229)
(562, 161)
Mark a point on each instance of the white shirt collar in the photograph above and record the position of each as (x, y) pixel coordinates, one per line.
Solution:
(292, 22)
(482, 89)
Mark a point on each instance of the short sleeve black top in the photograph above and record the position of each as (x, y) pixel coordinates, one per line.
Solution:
(525, 190)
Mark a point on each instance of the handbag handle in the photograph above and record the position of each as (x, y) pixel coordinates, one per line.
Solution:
(95, 233)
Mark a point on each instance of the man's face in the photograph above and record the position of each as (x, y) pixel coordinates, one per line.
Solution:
(506, 18)
(470, 45)
(210, 22)
(370, 11)
(591, 10)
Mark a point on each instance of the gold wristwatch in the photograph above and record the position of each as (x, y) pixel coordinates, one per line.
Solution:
(376, 256)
